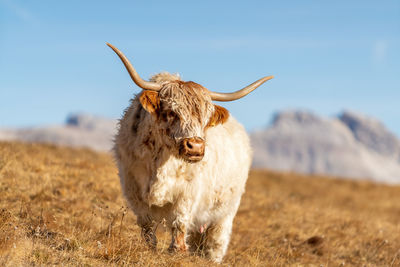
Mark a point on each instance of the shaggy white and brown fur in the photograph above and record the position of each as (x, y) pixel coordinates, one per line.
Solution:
(197, 200)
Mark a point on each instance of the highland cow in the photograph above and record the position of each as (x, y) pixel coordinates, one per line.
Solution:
(183, 160)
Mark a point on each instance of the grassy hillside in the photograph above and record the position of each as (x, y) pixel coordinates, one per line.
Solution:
(64, 206)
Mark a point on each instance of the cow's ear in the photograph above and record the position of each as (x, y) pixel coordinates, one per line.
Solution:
(219, 116)
(150, 101)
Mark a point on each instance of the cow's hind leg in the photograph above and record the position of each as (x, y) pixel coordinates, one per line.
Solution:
(217, 239)
(196, 241)
(148, 230)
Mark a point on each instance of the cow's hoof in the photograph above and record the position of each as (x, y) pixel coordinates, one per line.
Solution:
(175, 247)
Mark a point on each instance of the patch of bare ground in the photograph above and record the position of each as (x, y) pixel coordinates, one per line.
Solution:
(63, 206)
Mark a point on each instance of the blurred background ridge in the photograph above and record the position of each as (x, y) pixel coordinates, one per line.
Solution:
(349, 145)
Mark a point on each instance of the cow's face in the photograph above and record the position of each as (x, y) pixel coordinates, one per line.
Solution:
(182, 112)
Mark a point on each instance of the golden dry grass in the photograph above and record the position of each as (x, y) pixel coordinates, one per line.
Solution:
(63, 206)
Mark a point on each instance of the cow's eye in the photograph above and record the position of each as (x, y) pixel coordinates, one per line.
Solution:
(176, 119)
(164, 116)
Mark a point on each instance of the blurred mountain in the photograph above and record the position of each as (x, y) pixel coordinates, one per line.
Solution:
(351, 145)
(80, 130)
(372, 133)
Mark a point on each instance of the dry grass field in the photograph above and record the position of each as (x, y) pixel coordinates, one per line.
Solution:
(63, 206)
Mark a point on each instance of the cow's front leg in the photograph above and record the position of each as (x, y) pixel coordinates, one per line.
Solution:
(179, 225)
(178, 239)
(148, 230)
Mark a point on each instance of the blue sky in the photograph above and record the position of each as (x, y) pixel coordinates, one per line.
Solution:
(326, 56)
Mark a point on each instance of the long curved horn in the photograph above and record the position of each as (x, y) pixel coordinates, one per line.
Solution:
(134, 75)
(240, 93)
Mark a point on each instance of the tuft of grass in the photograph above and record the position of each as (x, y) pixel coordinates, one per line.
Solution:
(63, 206)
